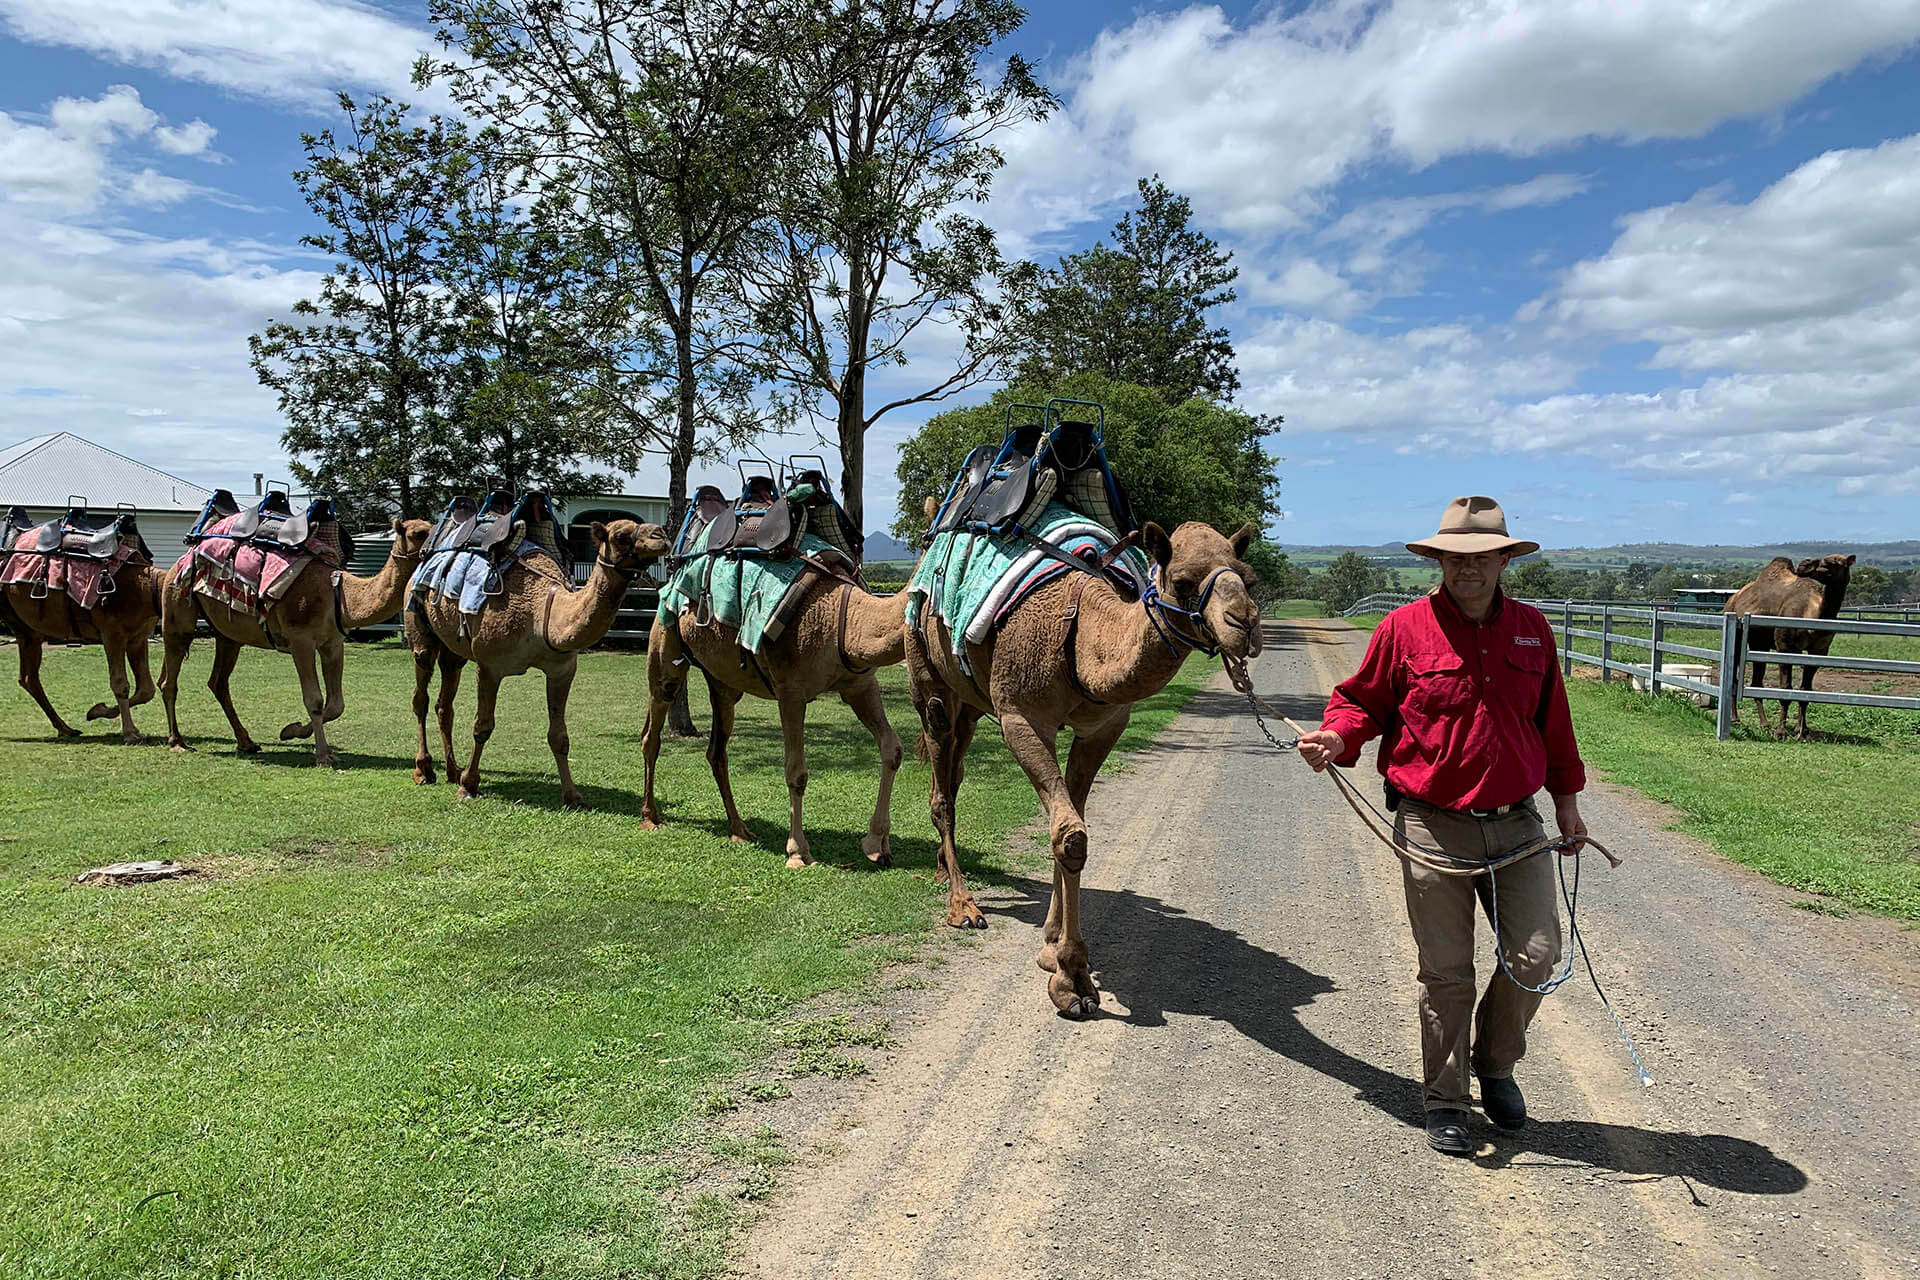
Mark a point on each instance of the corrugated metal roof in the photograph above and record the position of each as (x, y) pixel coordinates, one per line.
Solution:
(41, 472)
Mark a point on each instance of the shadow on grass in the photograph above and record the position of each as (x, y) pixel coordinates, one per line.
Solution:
(1160, 960)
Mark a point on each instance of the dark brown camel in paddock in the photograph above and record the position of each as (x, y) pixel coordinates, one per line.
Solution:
(1054, 666)
(1814, 588)
(121, 623)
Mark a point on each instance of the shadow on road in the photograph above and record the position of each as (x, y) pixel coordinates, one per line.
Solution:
(1159, 960)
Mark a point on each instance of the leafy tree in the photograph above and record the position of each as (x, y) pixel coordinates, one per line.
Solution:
(1869, 584)
(1349, 577)
(1138, 311)
(663, 126)
(871, 245)
(521, 416)
(1533, 580)
(356, 374)
(1190, 461)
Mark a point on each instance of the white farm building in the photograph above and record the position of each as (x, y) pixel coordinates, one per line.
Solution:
(44, 472)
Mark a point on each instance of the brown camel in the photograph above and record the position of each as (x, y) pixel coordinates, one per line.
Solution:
(122, 623)
(1052, 666)
(834, 646)
(310, 621)
(1814, 588)
(539, 620)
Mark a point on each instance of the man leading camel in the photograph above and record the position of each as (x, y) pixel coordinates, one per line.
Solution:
(1464, 692)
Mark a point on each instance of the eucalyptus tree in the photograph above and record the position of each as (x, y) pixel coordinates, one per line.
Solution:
(663, 123)
(873, 251)
(356, 369)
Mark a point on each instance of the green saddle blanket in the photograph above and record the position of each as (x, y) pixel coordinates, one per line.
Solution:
(972, 581)
(743, 591)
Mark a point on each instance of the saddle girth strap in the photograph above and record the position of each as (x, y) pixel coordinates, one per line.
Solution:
(846, 600)
(1073, 630)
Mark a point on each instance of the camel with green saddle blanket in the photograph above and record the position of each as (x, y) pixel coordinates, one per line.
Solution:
(761, 606)
(88, 578)
(306, 615)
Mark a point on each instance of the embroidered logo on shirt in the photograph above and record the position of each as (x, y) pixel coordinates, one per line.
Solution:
(1532, 640)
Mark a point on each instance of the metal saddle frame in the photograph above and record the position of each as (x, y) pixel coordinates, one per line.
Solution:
(78, 534)
(271, 523)
(496, 529)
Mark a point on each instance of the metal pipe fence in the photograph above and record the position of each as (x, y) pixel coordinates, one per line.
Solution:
(1638, 625)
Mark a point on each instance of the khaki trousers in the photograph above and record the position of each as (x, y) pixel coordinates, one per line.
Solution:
(1440, 908)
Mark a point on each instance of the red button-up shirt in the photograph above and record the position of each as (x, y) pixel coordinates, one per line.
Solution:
(1473, 714)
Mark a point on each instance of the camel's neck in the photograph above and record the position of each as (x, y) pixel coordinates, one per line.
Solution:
(366, 601)
(580, 618)
(876, 628)
(1119, 655)
(1831, 596)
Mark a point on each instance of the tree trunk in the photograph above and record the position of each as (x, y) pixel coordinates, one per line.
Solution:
(853, 452)
(679, 462)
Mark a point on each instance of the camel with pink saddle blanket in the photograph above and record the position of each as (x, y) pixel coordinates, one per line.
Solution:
(269, 577)
(81, 577)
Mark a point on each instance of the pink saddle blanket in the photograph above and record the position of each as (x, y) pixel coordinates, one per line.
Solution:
(84, 579)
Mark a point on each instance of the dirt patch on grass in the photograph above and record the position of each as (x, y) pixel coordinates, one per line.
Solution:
(286, 855)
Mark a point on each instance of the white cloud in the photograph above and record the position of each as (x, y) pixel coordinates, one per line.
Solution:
(294, 51)
(1258, 122)
(67, 162)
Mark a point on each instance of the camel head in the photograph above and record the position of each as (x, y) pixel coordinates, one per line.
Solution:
(629, 545)
(410, 539)
(1197, 567)
(1829, 571)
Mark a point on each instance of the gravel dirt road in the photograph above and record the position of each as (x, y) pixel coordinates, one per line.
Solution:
(1244, 1106)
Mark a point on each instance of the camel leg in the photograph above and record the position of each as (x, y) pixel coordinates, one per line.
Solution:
(422, 695)
(140, 657)
(332, 664)
(949, 734)
(1084, 758)
(724, 702)
(1071, 987)
(793, 734)
(32, 649)
(559, 685)
(660, 695)
(865, 700)
(313, 696)
(122, 687)
(482, 730)
(451, 665)
(226, 653)
(173, 652)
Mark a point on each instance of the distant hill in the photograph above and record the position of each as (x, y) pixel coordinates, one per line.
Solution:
(1888, 555)
(882, 547)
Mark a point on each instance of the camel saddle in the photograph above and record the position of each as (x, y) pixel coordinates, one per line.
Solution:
(272, 524)
(762, 522)
(77, 533)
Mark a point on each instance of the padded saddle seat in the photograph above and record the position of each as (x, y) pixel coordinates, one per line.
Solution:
(74, 534)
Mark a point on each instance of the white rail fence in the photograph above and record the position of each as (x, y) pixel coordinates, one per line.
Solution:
(1720, 674)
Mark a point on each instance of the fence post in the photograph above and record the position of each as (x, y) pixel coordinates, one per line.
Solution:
(1659, 638)
(1566, 639)
(1732, 632)
(1606, 645)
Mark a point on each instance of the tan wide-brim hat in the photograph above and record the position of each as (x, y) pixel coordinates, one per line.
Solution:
(1470, 526)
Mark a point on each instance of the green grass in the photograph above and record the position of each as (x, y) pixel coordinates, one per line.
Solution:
(384, 1033)
(1840, 818)
(1837, 816)
(1294, 609)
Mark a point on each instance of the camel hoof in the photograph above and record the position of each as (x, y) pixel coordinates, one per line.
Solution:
(966, 916)
(180, 748)
(327, 761)
(247, 748)
(649, 824)
(879, 851)
(135, 739)
(467, 793)
(100, 711)
(66, 731)
(1078, 1008)
(573, 801)
(798, 861)
(296, 730)
(424, 778)
(740, 837)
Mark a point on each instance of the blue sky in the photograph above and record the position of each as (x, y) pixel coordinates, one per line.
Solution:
(1643, 271)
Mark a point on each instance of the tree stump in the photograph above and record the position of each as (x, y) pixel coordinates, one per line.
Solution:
(133, 873)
